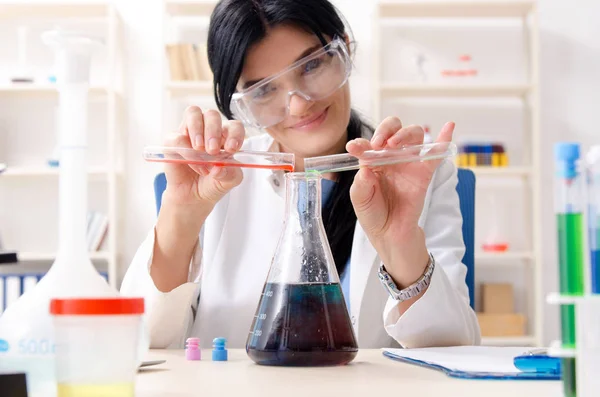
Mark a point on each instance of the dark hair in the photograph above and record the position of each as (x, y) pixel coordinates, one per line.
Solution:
(235, 26)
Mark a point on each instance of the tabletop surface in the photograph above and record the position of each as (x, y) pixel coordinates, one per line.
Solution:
(369, 373)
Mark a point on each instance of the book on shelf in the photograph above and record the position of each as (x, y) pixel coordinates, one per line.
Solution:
(188, 62)
(97, 228)
(13, 285)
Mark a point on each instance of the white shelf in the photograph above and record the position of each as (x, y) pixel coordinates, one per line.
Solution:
(65, 9)
(45, 88)
(190, 8)
(190, 88)
(48, 256)
(455, 9)
(521, 172)
(503, 256)
(46, 171)
(509, 341)
(390, 90)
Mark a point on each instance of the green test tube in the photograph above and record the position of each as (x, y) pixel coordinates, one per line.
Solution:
(569, 206)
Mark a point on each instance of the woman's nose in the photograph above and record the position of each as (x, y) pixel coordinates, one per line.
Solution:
(299, 105)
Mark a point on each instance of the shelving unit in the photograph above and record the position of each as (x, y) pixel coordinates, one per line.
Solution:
(111, 95)
(524, 11)
(178, 14)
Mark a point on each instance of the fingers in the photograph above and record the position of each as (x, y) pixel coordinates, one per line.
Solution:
(411, 135)
(177, 140)
(446, 132)
(368, 201)
(362, 189)
(445, 136)
(357, 147)
(387, 128)
(193, 126)
(234, 133)
(213, 133)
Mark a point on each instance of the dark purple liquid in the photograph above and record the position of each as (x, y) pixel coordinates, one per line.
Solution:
(302, 325)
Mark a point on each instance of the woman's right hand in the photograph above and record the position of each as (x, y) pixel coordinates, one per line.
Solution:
(197, 184)
(191, 194)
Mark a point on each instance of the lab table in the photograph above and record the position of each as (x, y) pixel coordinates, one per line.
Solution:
(370, 374)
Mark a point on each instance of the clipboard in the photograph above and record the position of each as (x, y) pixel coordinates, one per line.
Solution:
(537, 366)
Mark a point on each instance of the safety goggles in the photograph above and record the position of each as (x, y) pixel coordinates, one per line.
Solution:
(313, 78)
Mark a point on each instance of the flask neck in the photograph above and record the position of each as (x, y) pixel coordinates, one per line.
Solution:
(303, 196)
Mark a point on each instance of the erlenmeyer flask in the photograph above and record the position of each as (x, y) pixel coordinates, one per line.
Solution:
(302, 318)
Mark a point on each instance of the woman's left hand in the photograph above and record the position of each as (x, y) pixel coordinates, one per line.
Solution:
(388, 200)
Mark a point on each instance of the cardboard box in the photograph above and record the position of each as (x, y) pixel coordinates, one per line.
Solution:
(497, 298)
(501, 324)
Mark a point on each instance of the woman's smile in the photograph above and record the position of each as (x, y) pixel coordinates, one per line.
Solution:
(311, 122)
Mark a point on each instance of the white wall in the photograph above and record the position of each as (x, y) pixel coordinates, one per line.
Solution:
(570, 89)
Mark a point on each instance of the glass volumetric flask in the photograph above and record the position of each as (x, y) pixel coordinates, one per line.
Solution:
(302, 318)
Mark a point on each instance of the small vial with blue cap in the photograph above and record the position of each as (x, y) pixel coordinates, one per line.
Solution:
(219, 352)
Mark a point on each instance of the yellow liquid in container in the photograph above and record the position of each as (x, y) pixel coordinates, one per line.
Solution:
(101, 390)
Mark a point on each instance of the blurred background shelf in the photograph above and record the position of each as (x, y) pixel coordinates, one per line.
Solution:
(190, 88)
(391, 90)
(512, 171)
(45, 88)
(64, 9)
(47, 171)
(503, 256)
(509, 341)
(455, 9)
(48, 256)
(190, 8)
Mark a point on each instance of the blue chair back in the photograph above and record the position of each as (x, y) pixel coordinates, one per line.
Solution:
(466, 194)
(160, 184)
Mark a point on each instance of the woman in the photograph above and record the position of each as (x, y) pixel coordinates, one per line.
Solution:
(283, 65)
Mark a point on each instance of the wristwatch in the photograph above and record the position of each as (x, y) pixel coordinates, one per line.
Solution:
(411, 291)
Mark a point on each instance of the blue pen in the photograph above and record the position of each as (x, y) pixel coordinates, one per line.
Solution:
(538, 361)
(593, 182)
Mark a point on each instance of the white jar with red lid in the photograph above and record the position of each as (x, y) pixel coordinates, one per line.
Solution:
(97, 343)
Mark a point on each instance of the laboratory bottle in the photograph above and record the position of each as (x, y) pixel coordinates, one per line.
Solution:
(302, 318)
(569, 205)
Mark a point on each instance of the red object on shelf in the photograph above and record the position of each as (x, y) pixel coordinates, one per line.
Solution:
(495, 247)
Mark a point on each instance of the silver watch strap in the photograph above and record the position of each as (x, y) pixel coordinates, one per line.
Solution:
(411, 291)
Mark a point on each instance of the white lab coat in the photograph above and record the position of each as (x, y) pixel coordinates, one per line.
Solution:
(237, 243)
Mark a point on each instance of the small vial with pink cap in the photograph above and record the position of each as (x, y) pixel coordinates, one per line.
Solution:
(192, 349)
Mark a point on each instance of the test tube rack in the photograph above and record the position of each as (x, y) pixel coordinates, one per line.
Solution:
(587, 350)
